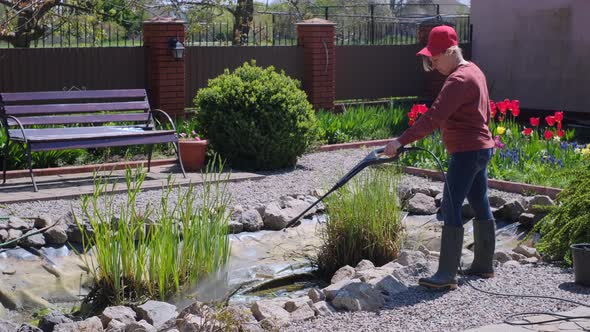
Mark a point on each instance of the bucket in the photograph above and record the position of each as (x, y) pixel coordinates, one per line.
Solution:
(581, 258)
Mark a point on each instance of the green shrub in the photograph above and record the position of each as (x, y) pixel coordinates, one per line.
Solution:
(157, 251)
(364, 222)
(569, 221)
(256, 118)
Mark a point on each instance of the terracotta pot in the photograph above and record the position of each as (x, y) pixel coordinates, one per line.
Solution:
(193, 154)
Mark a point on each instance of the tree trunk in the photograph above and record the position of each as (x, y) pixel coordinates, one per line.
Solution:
(243, 17)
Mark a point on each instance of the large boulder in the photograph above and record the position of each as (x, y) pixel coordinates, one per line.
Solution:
(411, 257)
(496, 200)
(92, 324)
(270, 310)
(56, 235)
(323, 308)
(33, 240)
(160, 315)
(532, 203)
(304, 312)
(363, 265)
(359, 296)
(421, 204)
(251, 220)
(18, 223)
(115, 326)
(48, 322)
(346, 272)
(120, 313)
(331, 291)
(511, 210)
(274, 217)
(141, 326)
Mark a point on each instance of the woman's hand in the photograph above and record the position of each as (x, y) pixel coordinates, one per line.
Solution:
(392, 147)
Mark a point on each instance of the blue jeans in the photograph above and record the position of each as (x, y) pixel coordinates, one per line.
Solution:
(467, 176)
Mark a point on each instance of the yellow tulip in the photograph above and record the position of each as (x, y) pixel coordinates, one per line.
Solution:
(500, 130)
(586, 151)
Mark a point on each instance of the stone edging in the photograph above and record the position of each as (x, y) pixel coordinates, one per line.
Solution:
(514, 187)
(24, 173)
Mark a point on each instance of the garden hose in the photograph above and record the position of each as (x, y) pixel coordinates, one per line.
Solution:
(376, 157)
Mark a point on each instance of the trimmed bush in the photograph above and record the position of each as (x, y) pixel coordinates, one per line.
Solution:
(256, 118)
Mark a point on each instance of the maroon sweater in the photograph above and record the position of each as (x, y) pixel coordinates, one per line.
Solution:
(461, 110)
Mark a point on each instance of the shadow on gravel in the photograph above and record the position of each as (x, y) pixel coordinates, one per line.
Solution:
(572, 287)
(415, 294)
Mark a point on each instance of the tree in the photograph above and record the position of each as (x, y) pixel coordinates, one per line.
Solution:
(22, 22)
(242, 12)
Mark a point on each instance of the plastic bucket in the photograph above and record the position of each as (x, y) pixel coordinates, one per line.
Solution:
(581, 258)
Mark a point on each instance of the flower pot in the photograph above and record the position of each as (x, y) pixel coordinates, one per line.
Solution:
(193, 154)
(581, 258)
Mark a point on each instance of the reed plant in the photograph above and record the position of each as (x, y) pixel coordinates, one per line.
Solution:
(153, 253)
(364, 221)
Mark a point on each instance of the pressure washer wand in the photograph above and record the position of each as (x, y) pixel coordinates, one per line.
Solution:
(376, 157)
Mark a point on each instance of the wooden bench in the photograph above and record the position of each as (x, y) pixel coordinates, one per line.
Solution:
(82, 119)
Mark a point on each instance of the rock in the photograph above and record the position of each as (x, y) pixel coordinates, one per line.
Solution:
(421, 204)
(297, 206)
(438, 199)
(141, 326)
(28, 328)
(467, 211)
(316, 295)
(43, 221)
(3, 235)
(235, 227)
(236, 212)
(405, 192)
(33, 241)
(511, 264)
(391, 267)
(323, 308)
(332, 290)
(411, 257)
(526, 251)
(435, 191)
(160, 315)
(92, 324)
(120, 313)
(56, 235)
(421, 190)
(358, 296)
(388, 285)
(75, 235)
(274, 218)
(530, 260)
(48, 322)
(251, 220)
(496, 200)
(344, 273)
(422, 248)
(518, 257)
(527, 219)
(14, 234)
(195, 323)
(511, 210)
(503, 256)
(534, 202)
(6, 326)
(294, 304)
(18, 223)
(269, 310)
(304, 312)
(115, 326)
(365, 264)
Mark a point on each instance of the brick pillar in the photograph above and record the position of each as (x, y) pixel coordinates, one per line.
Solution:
(166, 75)
(433, 81)
(317, 37)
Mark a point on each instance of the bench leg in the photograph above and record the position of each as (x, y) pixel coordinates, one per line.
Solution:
(30, 160)
(175, 144)
(5, 161)
(150, 150)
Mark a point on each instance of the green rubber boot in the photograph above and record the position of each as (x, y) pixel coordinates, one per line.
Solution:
(448, 263)
(484, 233)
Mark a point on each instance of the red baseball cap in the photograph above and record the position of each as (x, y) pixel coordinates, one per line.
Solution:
(439, 40)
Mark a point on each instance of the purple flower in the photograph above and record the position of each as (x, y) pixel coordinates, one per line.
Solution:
(498, 142)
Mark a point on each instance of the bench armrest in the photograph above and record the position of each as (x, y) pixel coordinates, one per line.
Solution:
(164, 114)
(20, 126)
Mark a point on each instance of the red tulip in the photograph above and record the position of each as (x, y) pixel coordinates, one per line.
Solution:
(493, 113)
(527, 131)
(560, 133)
(422, 108)
(515, 112)
(515, 107)
(550, 120)
(411, 122)
(558, 116)
(502, 106)
(548, 134)
(559, 126)
(493, 106)
(535, 121)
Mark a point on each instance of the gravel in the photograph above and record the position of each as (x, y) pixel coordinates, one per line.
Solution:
(313, 171)
(419, 309)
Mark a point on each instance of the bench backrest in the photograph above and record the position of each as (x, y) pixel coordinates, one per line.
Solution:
(73, 107)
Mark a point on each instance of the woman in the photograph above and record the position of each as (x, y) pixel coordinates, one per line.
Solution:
(461, 111)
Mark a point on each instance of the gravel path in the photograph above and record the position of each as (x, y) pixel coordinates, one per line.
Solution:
(313, 171)
(465, 308)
